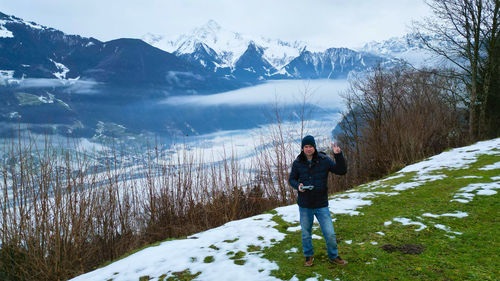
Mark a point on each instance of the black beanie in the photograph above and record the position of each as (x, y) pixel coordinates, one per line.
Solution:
(308, 140)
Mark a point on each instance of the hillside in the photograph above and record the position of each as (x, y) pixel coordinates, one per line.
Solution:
(435, 220)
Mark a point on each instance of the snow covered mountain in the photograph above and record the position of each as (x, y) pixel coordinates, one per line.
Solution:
(333, 63)
(250, 58)
(408, 48)
(229, 46)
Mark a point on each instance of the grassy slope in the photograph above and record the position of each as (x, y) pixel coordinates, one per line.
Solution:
(474, 255)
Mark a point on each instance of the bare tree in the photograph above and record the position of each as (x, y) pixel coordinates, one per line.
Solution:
(467, 33)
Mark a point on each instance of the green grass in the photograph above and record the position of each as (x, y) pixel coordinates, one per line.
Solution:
(185, 275)
(213, 247)
(238, 258)
(474, 255)
(209, 259)
(231, 241)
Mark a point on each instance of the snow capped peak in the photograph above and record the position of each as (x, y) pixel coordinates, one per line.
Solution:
(409, 48)
(211, 27)
(394, 45)
(228, 45)
(11, 19)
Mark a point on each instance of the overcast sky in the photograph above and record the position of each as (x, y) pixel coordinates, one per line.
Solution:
(329, 23)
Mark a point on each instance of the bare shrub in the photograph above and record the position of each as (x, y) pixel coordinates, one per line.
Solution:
(63, 212)
(396, 117)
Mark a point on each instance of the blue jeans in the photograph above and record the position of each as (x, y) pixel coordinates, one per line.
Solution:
(325, 222)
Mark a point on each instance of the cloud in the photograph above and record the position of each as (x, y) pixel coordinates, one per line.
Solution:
(70, 85)
(323, 93)
(176, 77)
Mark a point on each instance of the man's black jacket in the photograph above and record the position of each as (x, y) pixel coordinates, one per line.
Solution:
(316, 174)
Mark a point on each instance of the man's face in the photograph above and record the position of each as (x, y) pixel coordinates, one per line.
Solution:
(309, 150)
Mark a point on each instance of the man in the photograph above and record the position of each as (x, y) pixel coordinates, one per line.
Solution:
(309, 176)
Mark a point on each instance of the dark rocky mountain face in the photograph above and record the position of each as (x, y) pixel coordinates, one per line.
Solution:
(205, 57)
(40, 52)
(252, 65)
(334, 63)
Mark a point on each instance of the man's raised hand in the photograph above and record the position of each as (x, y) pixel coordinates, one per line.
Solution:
(336, 149)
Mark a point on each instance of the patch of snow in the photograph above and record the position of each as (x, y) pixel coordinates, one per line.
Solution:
(64, 70)
(315, 278)
(293, 228)
(470, 177)
(458, 158)
(457, 214)
(171, 256)
(348, 242)
(374, 243)
(380, 233)
(14, 115)
(495, 178)
(4, 32)
(466, 194)
(314, 236)
(387, 223)
(406, 221)
(416, 181)
(394, 177)
(429, 177)
(486, 192)
(292, 250)
(491, 167)
(6, 77)
(447, 229)
(407, 185)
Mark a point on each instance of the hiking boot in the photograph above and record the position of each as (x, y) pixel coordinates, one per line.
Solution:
(338, 260)
(309, 261)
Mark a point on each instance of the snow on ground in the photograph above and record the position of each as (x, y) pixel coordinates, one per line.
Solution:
(458, 158)
(220, 244)
(470, 177)
(191, 253)
(457, 214)
(406, 221)
(468, 193)
(447, 229)
(491, 167)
